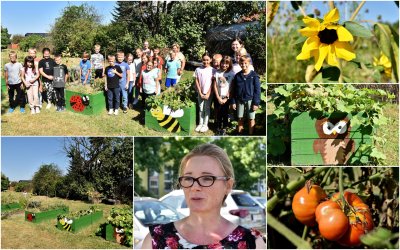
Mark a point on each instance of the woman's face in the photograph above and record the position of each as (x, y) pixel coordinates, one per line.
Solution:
(205, 199)
(236, 46)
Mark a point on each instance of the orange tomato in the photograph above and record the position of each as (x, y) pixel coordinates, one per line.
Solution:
(332, 222)
(304, 204)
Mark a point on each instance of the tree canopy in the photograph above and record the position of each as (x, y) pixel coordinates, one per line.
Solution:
(5, 182)
(45, 180)
(5, 38)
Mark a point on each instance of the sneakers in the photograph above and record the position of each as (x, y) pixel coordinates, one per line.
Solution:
(130, 106)
(204, 129)
(110, 111)
(10, 110)
(33, 111)
(22, 110)
(116, 112)
(58, 108)
(198, 128)
(37, 110)
(125, 110)
(48, 105)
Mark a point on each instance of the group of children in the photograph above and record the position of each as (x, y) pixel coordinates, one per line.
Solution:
(229, 81)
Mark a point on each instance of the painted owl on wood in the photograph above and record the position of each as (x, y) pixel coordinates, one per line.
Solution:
(334, 143)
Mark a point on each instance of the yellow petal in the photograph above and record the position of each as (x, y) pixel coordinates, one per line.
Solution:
(303, 55)
(343, 34)
(332, 16)
(331, 59)
(323, 52)
(311, 22)
(344, 50)
(310, 44)
(376, 61)
(307, 31)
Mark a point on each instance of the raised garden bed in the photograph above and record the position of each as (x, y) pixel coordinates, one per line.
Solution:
(83, 103)
(37, 217)
(318, 140)
(11, 206)
(76, 224)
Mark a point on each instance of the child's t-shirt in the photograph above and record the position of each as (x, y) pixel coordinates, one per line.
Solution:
(132, 68)
(223, 80)
(47, 64)
(124, 67)
(149, 83)
(60, 70)
(112, 78)
(97, 60)
(204, 76)
(172, 68)
(13, 71)
(29, 75)
(85, 66)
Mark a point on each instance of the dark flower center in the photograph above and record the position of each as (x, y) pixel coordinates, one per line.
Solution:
(327, 36)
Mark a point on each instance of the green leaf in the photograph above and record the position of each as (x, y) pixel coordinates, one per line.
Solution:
(301, 39)
(364, 159)
(378, 238)
(330, 74)
(282, 91)
(357, 30)
(382, 32)
(296, 4)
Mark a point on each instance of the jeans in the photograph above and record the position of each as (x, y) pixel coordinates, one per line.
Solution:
(18, 99)
(113, 98)
(136, 91)
(124, 95)
(222, 111)
(130, 92)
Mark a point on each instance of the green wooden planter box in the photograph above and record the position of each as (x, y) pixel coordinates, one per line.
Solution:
(11, 206)
(3, 86)
(46, 215)
(109, 232)
(81, 222)
(75, 102)
(312, 145)
(187, 122)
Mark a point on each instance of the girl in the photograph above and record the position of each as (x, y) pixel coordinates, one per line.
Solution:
(138, 65)
(30, 78)
(204, 75)
(132, 78)
(145, 60)
(150, 83)
(159, 74)
(222, 86)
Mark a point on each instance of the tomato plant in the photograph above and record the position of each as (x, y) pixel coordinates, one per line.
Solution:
(305, 202)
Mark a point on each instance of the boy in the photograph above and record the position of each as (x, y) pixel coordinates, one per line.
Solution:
(12, 73)
(138, 65)
(85, 70)
(60, 78)
(216, 61)
(98, 62)
(124, 80)
(46, 69)
(114, 74)
(172, 69)
(246, 94)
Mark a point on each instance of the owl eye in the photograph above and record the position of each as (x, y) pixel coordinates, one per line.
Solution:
(327, 128)
(341, 127)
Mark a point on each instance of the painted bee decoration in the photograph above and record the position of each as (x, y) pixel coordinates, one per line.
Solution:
(167, 121)
(66, 223)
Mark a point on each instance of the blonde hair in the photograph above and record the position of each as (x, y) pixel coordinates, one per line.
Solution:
(217, 57)
(212, 151)
(12, 53)
(32, 49)
(97, 46)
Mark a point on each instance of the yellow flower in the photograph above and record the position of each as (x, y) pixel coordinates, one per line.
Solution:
(385, 62)
(326, 41)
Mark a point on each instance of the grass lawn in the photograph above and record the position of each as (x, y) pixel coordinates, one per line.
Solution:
(17, 233)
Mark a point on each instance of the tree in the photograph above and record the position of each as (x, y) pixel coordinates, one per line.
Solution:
(17, 38)
(5, 38)
(5, 182)
(76, 28)
(45, 180)
(30, 42)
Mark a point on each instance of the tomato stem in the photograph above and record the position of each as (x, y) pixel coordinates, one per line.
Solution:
(341, 191)
(304, 232)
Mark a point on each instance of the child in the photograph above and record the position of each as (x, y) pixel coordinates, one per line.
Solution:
(114, 74)
(98, 62)
(222, 84)
(172, 69)
(146, 49)
(138, 66)
(12, 73)
(246, 94)
(145, 59)
(60, 78)
(159, 75)
(132, 78)
(124, 80)
(236, 67)
(32, 53)
(216, 60)
(204, 75)
(85, 69)
(30, 78)
(160, 60)
(150, 83)
(46, 69)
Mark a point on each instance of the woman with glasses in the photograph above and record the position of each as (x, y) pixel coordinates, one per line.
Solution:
(206, 177)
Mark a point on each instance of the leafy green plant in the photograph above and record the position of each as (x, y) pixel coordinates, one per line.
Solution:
(360, 103)
(78, 214)
(95, 87)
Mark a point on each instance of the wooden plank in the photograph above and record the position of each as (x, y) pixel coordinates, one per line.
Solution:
(97, 102)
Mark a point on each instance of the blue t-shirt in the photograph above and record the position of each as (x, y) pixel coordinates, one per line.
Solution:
(85, 66)
(124, 67)
(149, 83)
(172, 68)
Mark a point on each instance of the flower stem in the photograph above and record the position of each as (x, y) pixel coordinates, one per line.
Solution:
(302, 11)
(340, 80)
(331, 5)
(357, 10)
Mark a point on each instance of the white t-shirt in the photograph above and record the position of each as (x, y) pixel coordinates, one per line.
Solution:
(132, 66)
(223, 80)
(204, 76)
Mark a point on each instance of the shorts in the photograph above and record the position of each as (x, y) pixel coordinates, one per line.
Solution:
(242, 107)
(169, 82)
(98, 73)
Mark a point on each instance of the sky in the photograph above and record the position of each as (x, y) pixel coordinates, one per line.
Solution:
(21, 157)
(21, 17)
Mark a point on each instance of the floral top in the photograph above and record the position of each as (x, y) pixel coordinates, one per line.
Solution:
(167, 237)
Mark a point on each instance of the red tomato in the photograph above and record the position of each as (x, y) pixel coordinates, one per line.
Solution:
(332, 222)
(304, 204)
(360, 222)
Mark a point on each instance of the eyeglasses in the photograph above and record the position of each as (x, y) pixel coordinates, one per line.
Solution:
(203, 181)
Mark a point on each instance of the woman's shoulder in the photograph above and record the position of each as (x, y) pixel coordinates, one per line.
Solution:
(242, 238)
